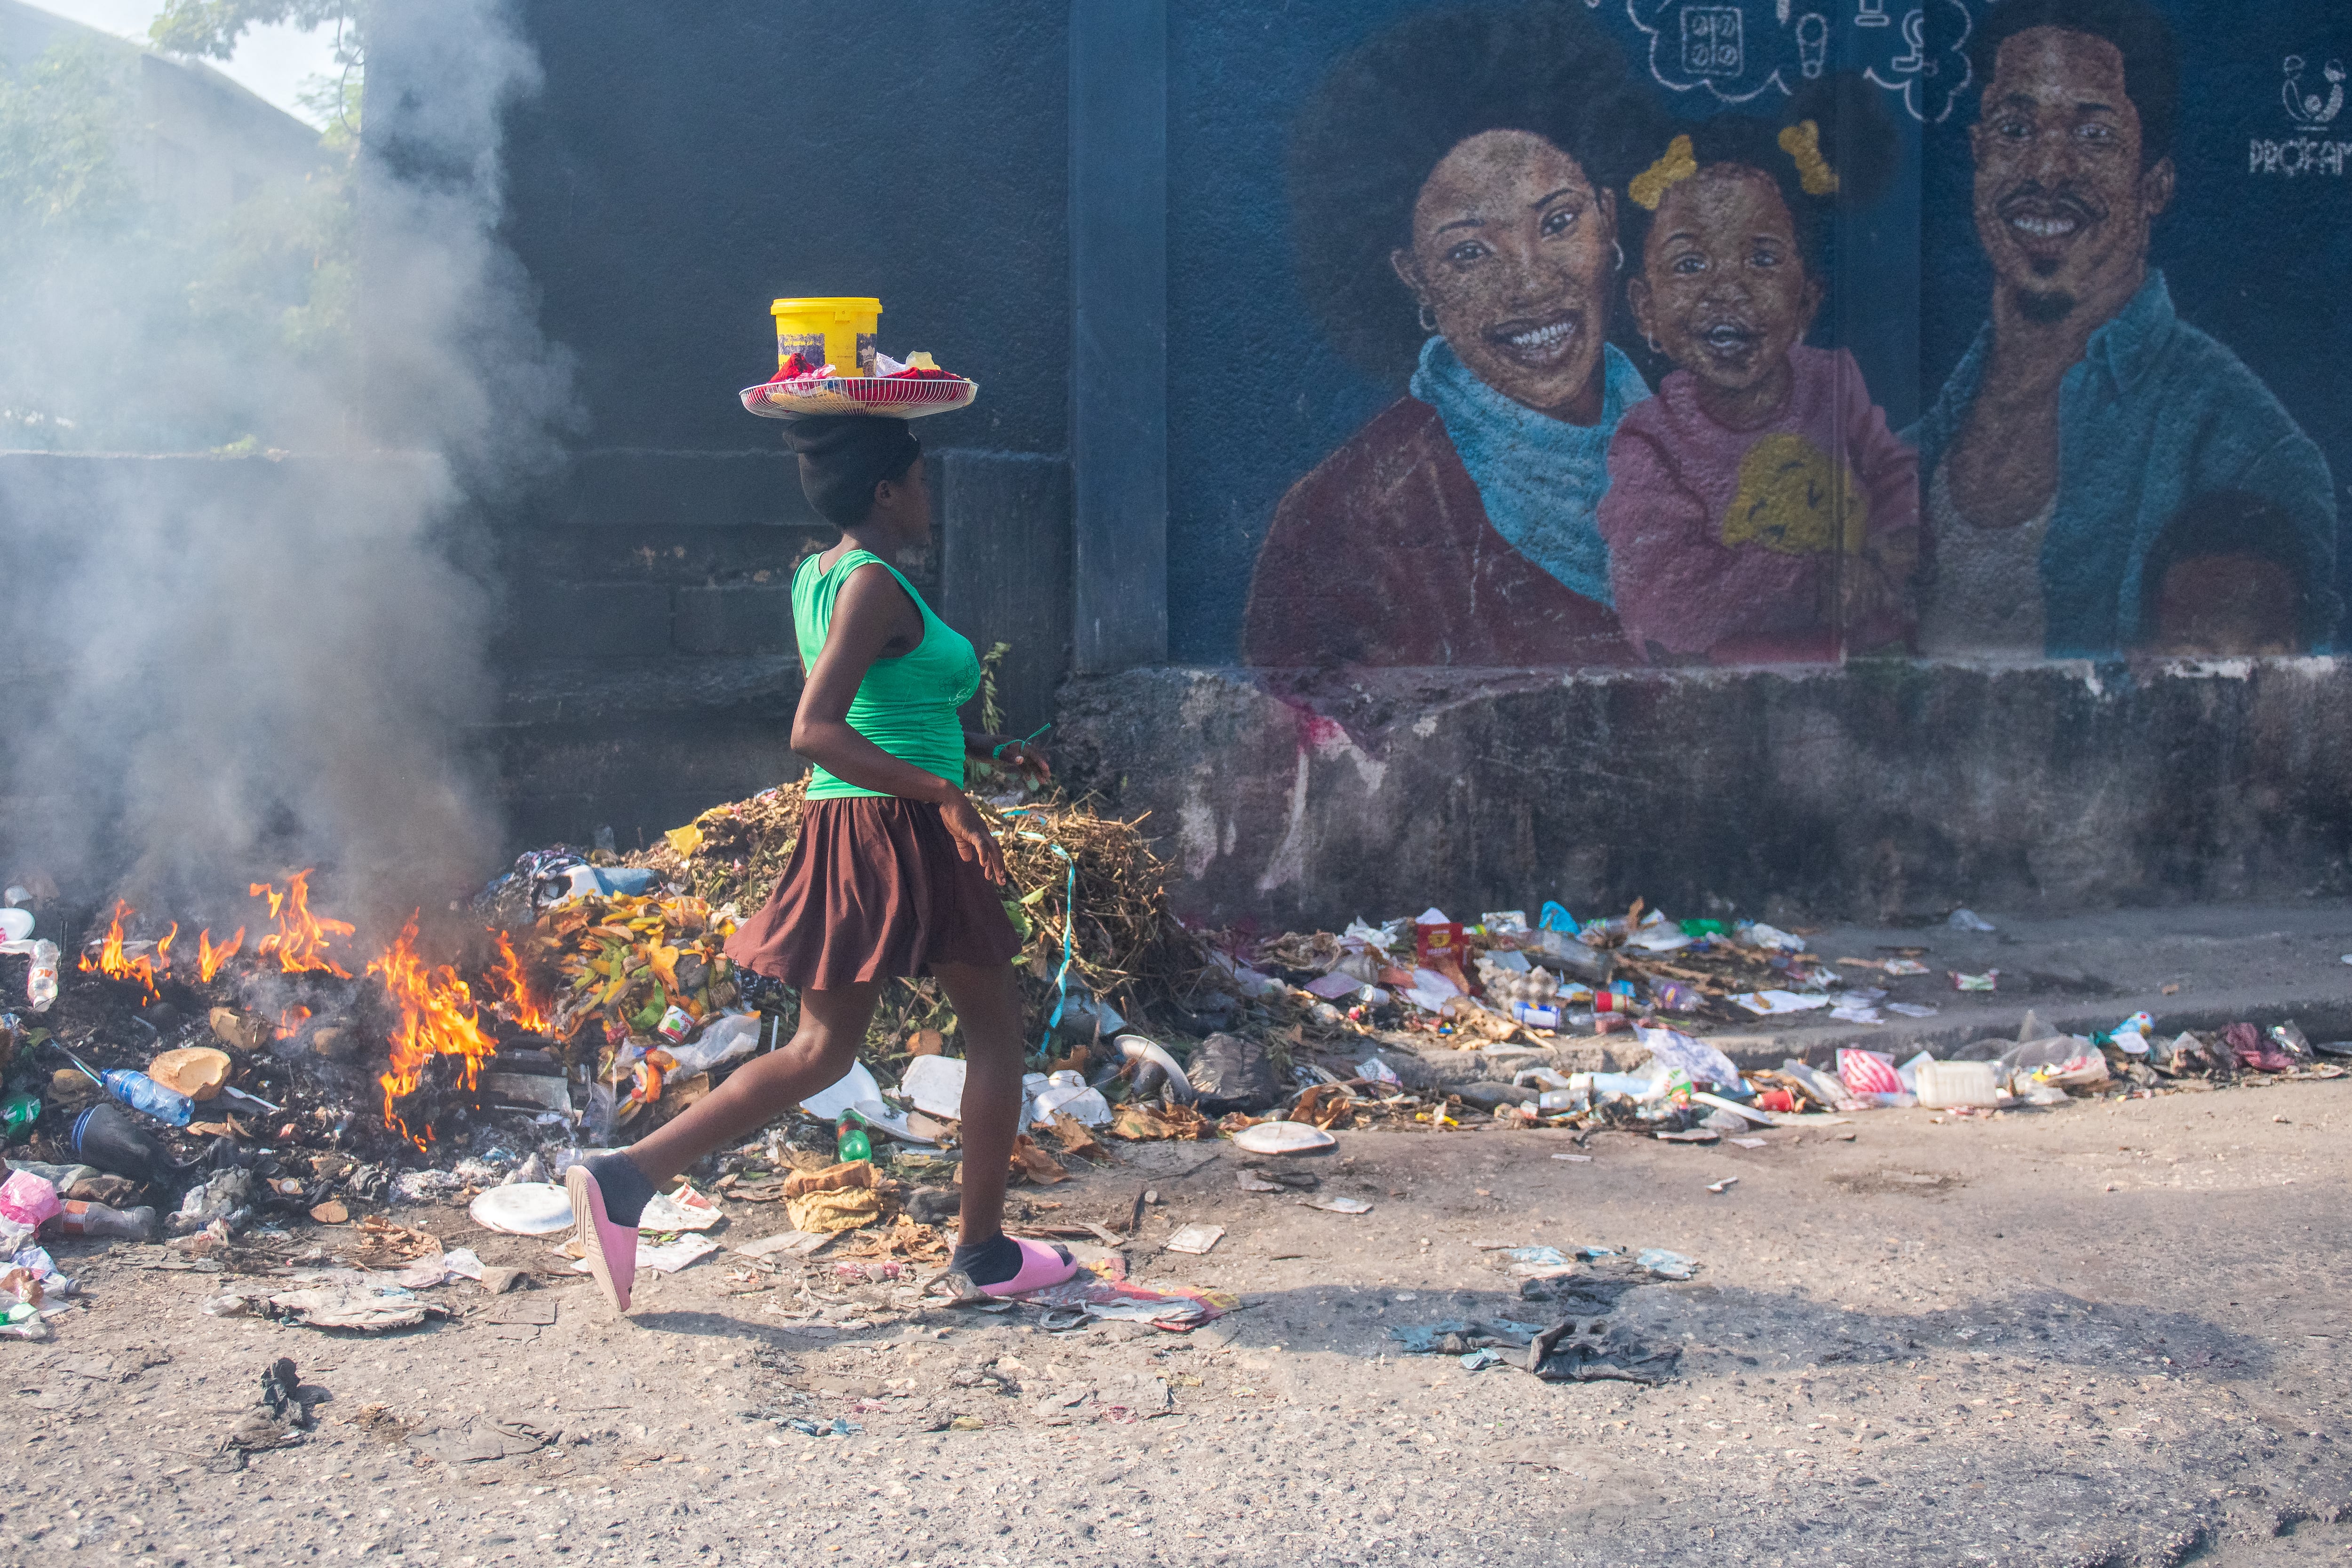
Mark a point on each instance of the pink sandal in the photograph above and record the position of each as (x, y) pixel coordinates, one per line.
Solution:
(1040, 1265)
(610, 1250)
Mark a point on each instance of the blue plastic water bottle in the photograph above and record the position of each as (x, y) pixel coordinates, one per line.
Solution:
(141, 1092)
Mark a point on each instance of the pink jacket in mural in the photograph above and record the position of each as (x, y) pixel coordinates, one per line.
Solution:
(1384, 555)
(1724, 543)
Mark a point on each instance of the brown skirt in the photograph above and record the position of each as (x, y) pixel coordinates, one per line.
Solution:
(874, 889)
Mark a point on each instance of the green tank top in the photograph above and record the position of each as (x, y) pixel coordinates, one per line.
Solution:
(906, 706)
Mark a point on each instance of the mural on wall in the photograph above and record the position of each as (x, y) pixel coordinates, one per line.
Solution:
(1625, 437)
(2102, 474)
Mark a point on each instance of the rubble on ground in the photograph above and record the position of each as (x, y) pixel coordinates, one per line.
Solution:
(250, 1087)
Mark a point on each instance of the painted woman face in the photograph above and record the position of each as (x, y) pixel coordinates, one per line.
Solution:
(1724, 289)
(1512, 255)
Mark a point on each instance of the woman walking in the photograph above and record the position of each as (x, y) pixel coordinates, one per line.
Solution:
(894, 873)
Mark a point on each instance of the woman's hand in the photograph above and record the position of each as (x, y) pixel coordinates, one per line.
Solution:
(972, 839)
(1007, 751)
(1028, 759)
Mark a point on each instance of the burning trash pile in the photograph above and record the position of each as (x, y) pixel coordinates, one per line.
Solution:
(278, 1069)
(231, 1082)
(274, 1070)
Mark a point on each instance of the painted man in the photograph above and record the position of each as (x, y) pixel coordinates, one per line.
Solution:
(2091, 441)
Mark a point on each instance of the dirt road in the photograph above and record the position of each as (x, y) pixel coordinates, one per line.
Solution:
(2103, 1333)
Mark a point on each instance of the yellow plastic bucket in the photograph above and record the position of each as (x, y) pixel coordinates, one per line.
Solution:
(840, 332)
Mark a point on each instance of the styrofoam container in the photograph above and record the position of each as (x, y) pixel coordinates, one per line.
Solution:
(1949, 1083)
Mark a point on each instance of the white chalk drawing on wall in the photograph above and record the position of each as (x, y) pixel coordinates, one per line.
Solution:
(1813, 44)
(1712, 44)
(2309, 109)
(2298, 155)
(1931, 68)
(1734, 48)
(1737, 50)
(2293, 156)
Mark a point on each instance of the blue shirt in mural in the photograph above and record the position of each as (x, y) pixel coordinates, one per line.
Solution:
(2155, 415)
(1541, 478)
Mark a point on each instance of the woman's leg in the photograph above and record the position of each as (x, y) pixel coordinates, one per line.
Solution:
(988, 1008)
(609, 1193)
(819, 1055)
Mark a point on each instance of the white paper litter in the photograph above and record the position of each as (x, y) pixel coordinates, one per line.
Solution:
(666, 1259)
(1771, 1004)
(1196, 1238)
(685, 1209)
(934, 1084)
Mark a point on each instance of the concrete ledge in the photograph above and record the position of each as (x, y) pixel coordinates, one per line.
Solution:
(1885, 790)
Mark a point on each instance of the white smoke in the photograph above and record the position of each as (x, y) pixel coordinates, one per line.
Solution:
(230, 665)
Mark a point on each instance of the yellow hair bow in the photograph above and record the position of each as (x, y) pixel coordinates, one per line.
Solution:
(1650, 186)
(1802, 142)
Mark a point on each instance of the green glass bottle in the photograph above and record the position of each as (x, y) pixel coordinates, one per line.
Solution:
(855, 1144)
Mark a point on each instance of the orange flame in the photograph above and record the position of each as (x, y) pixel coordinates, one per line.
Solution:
(210, 958)
(300, 937)
(510, 988)
(111, 960)
(291, 1019)
(438, 1016)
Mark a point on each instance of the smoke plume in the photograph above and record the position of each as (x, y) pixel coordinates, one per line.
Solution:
(270, 650)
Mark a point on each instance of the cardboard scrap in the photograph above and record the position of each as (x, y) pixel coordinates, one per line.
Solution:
(1034, 1163)
(842, 1208)
(1140, 1122)
(1077, 1138)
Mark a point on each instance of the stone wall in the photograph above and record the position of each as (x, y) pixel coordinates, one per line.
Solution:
(1883, 792)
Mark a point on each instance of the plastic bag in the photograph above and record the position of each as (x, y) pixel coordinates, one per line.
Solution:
(1868, 1072)
(1702, 1061)
(1233, 1072)
(723, 1038)
(28, 1200)
(829, 1103)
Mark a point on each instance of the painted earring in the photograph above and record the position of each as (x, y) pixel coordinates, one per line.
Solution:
(1653, 345)
(1620, 249)
(1428, 321)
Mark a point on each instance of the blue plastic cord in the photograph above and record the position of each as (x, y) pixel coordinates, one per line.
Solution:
(1069, 931)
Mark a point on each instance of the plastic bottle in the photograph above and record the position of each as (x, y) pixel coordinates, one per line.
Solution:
(141, 1092)
(41, 984)
(77, 1219)
(18, 1114)
(855, 1144)
(1633, 1086)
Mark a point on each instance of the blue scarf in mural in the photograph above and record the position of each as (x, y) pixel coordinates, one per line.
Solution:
(1540, 478)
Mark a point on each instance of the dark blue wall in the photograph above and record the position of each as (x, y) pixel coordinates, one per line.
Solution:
(686, 164)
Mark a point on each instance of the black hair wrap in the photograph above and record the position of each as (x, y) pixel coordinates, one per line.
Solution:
(843, 457)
